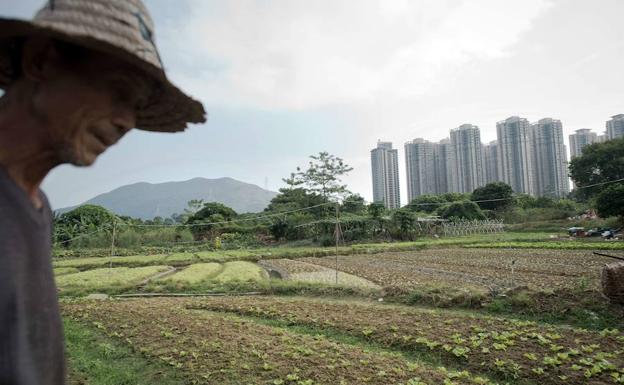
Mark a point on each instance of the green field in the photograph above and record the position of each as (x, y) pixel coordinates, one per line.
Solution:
(504, 240)
(241, 271)
(115, 279)
(200, 276)
(521, 309)
(196, 273)
(65, 270)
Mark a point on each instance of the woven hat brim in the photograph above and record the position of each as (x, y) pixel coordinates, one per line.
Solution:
(169, 109)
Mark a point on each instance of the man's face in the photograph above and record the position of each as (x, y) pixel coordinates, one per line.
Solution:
(88, 106)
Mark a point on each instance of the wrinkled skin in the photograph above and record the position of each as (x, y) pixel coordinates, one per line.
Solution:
(65, 110)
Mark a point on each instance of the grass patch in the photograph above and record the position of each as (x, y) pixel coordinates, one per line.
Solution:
(579, 308)
(440, 297)
(328, 277)
(65, 270)
(268, 287)
(195, 273)
(95, 359)
(113, 280)
(241, 271)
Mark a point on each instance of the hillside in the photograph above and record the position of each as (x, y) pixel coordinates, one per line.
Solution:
(148, 200)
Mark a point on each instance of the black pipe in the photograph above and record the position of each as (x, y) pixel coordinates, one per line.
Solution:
(609, 256)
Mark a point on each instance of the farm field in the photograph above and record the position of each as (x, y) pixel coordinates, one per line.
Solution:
(208, 347)
(299, 271)
(542, 281)
(195, 273)
(481, 271)
(130, 258)
(581, 244)
(318, 339)
(108, 278)
(505, 348)
(241, 271)
(484, 269)
(123, 279)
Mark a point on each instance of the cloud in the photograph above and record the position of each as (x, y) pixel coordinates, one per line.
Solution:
(305, 54)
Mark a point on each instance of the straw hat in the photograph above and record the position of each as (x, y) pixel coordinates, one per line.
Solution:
(122, 28)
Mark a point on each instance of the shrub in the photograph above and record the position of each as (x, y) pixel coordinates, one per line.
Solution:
(462, 210)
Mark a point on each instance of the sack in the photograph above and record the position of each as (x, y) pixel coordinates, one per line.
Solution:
(612, 281)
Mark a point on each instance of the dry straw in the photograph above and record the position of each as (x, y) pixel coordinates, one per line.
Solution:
(122, 28)
(613, 282)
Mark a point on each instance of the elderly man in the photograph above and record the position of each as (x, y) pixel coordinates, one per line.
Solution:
(76, 78)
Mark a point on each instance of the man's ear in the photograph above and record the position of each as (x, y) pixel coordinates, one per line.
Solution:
(39, 58)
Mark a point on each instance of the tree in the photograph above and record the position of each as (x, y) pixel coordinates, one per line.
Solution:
(545, 202)
(525, 201)
(599, 162)
(455, 196)
(279, 228)
(609, 202)
(353, 204)
(208, 219)
(193, 206)
(376, 211)
(323, 176)
(462, 210)
(82, 220)
(491, 192)
(290, 199)
(427, 203)
(403, 219)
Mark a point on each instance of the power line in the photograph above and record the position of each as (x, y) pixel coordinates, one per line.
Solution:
(233, 220)
(305, 209)
(600, 184)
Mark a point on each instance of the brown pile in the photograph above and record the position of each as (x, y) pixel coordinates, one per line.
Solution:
(613, 282)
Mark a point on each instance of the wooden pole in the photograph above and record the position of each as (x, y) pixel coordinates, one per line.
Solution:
(337, 238)
(110, 262)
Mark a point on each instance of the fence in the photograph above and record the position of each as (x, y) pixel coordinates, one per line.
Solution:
(467, 227)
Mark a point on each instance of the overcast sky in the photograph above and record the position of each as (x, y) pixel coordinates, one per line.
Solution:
(286, 79)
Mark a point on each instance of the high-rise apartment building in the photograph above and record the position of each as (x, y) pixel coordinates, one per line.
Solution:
(490, 162)
(444, 166)
(466, 147)
(419, 164)
(550, 161)
(580, 139)
(515, 163)
(385, 168)
(615, 127)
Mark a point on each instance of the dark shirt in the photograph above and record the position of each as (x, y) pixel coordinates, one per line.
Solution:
(31, 335)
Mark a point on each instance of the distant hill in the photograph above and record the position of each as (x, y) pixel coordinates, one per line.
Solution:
(148, 200)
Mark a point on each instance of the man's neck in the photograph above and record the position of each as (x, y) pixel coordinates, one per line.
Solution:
(24, 153)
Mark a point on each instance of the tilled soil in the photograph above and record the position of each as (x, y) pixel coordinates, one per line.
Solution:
(507, 348)
(485, 268)
(216, 349)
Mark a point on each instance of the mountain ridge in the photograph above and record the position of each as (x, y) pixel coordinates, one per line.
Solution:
(147, 200)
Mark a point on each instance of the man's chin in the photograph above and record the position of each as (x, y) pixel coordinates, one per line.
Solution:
(83, 162)
(79, 159)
